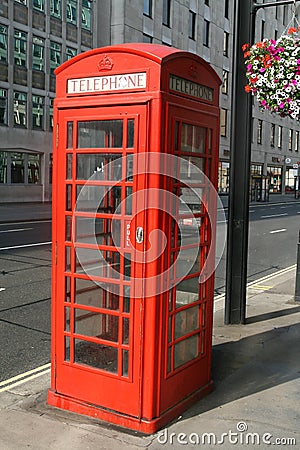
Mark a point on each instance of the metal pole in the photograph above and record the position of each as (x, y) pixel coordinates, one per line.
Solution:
(240, 157)
(240, 160)
(297, 287)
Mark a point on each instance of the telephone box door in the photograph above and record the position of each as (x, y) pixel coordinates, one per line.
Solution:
(98, 319)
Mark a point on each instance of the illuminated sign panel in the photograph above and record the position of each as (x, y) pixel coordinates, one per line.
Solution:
(183, 86)
(109, 83)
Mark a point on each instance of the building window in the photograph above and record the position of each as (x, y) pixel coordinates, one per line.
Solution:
(166, 12)
(275, 35)
(223, 122)
(225, 43)
(206, 33)
(17, 167)
(225, 82)
(38, 5)
(20, 109)
(55, 56)
(148, 8)
(51, 101)
(3, 43)
(55, 8)
(296, 141)
(192, 25)
(259, 131)
(206, 2)
(290, 140)
(33, 169)
(70, 53)
(3, 167)
(147, 39)
(226, 12)
(37, 111)
(262, 35)
(72, 11)
(20, 49)
(24, 2)
(279, 136)
(276, 12)
(38, 51)
(3, 107)
(86, 15)
(272, 135)
(285, 14)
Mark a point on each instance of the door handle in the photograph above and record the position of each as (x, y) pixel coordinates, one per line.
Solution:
(139, 235)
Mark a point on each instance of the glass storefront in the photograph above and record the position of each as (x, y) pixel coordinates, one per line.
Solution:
(274, 174)
(223, 177)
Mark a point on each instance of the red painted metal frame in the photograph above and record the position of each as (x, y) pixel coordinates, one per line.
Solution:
(159, 397)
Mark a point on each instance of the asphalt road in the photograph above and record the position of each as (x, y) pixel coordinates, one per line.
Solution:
(25, 278)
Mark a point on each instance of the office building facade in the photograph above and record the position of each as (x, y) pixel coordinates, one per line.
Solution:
(38, 35)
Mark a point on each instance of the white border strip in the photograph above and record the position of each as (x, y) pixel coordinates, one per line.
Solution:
(26, 245)
(221, 297)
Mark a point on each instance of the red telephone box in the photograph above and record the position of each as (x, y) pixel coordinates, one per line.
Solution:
(131, 319)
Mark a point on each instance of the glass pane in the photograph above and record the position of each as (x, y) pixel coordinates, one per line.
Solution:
(20, 109)
(67, 319)
(186, 350)
(37, 111)
(70, 135)
(99, 166)
(91, 231)
(17, 167)
(20, 48)
(68, 228)
(129, 167)
(101, 199)
(191, 169)
(125, 330)
(186, 321)
(96, 263)
(125, 363)
(128, 202)
(100, 134)
(91, 294)
(33, 169)
(130, 133)
(96, 355)
(68, 259)
(187, 292)
(69, 198)
(3, 104)
(67, 349)
(69, 166)
(188, 262)
(67, 289)
(127, 266)
(126, 307)
(192, 138)
(102, 326)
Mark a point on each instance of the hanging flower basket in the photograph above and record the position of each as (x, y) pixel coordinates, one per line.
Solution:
(273, 72)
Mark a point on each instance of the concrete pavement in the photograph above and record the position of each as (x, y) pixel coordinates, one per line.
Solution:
(256, 370)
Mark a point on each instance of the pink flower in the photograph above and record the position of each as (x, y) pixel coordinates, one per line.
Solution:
(263, 102)
(281, 105)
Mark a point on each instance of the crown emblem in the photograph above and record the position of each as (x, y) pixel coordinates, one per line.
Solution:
(193, 71)
(105, 63)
